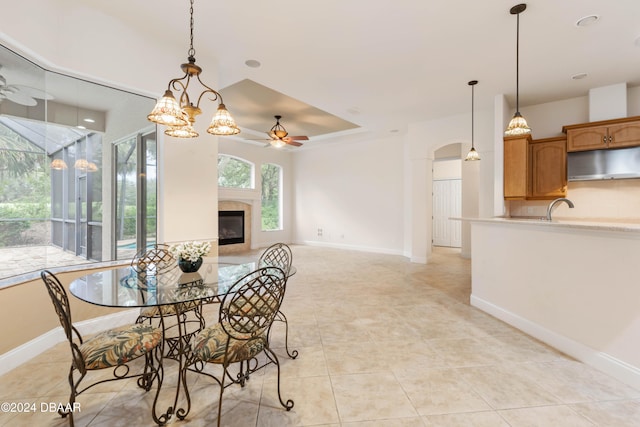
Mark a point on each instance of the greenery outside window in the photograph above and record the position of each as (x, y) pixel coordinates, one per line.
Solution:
(271, 197)
(234, 172)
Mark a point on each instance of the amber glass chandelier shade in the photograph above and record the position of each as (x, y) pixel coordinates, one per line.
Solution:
(517, 126)
(92, 167)
(182, 131)
(58, 164)
(168, 112)
(223, 123)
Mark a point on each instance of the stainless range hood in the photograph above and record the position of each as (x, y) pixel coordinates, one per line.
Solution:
(621, 163)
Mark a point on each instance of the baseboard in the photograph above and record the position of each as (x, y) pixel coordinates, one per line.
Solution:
(604, 362)
(351, 247)
(27, 351)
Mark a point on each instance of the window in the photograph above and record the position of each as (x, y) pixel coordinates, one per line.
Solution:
(271, 200)
(234, 172)
(135, 214)
(57, 180)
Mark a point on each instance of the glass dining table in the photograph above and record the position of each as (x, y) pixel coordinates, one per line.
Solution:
(174, 300)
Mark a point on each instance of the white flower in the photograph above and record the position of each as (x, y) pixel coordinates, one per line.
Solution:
(190, 251)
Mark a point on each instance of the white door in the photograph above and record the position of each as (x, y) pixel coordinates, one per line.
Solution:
(447, 203)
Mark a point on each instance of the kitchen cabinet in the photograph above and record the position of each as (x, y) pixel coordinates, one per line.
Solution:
(534, 169)
(548, 166)
(516, 167)
(604, 134)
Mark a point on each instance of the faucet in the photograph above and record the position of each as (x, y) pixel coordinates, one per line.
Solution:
(556, 201)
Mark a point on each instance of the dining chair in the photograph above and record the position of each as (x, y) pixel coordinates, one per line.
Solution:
(280, 255)
(244, 319)
(154, 258)
(111, 349)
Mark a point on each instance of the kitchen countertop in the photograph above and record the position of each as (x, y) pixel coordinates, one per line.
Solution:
(608, 224)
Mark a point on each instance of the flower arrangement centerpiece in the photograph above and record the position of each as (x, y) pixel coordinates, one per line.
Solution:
(190, 254)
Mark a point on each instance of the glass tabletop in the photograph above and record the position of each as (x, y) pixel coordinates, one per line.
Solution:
(126, 287)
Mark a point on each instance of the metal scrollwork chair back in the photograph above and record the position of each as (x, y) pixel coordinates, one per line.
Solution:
(110, 349)
(156, 257)
(245, 317)
(280, 255)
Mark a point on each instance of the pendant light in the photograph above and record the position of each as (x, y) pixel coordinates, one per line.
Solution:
(472, 154)
(517, 125)
(180, 114)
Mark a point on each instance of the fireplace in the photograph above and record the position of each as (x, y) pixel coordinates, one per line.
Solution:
(230, 227)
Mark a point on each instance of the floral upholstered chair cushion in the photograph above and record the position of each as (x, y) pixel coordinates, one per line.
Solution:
(211, 346)
(119, 345)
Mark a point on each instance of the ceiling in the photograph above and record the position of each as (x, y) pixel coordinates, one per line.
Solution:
(365, 66)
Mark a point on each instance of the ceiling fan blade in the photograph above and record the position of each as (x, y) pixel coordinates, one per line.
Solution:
(299, 138)
(20, 98)
(33, 92)
(291, 142)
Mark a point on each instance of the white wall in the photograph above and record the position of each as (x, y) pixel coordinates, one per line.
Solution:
(259, 155)
(353, 192)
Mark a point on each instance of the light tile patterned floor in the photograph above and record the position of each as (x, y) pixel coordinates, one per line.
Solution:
(383, 343)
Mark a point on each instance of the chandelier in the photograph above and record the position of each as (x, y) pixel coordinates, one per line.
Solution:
(179, 115)
(517, 125)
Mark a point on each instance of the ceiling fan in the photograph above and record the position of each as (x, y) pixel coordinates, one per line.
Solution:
(20, 94)
(279, 137)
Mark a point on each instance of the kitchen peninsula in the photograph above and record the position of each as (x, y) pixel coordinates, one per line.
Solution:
(572, 284)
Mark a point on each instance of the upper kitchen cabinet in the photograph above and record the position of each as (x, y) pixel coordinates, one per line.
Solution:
(534, 169)
(548, 166)
(604, 134)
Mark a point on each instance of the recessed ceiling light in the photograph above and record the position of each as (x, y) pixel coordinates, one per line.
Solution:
(252, 63)
(81, 127)
(88, 120)
(587, 20)
(579, 76)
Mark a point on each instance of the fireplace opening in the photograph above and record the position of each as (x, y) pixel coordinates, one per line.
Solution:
(230, 227)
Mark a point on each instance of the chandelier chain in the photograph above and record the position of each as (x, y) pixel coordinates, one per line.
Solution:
(192, 51)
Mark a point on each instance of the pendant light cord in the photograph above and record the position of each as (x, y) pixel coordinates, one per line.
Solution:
(472, 92)
(518, 62)
(192, 51)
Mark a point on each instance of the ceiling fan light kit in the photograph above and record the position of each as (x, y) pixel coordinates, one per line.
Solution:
(279, 137)
(179, 115)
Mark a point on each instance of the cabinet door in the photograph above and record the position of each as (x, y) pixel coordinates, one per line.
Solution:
(624, 135)
(548, 169)
(515, 167)
(590, 138)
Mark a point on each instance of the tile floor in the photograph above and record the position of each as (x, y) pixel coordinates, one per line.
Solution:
(382, 342)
